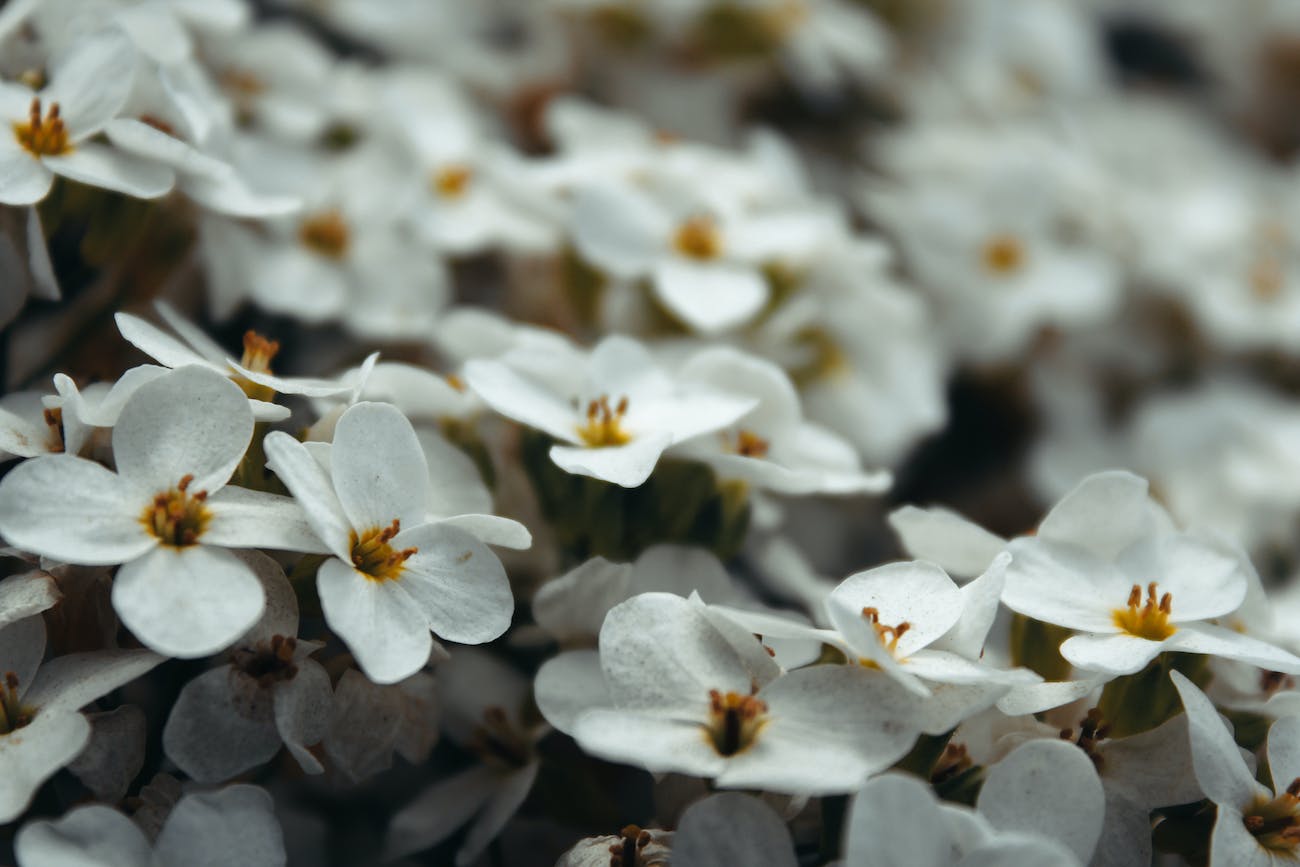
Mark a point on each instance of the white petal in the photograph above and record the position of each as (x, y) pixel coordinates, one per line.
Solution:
(1111, 654)
(302, 712)
(917, 593)
(312, 487)
(187, 602)
(619, 230)
(519, 398)
(569, 684)
(1065, 585)
(1022, 850)
(33, 753)
(710, 297)
(732, 829)
(1039, 697)
(94, 83)
(1151, 769)
(1231, 843)
(1219, 767)
(941, 536)
(149, 143)
(235, 825)
(980, 606)
(627, 465)
(92, 835)
(1206, 578)
(220, 726)
(438, 811)
(305, 386)
(658, 743)
(895, 822)
(191, 421)
(157, 344)
(662, 652)
(1217, 641)
(71, 682)
(22, 647)
(25, 595)
(23, 179)
(378, 620)
(378, 467)
(504, 803)
(293, 282)
(98, 524)
(243, 518)
(1104, 514)
(492, 530)
(100, 166)
(457, 583)
(228, 194)
(1048, 788)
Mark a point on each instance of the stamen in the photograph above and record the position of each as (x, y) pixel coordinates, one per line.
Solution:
(451, 182)
(43, 135)
(887, 635)
(374, 557)
(1003, 255)
(698, 238)
(604, 425)
(1147, 619)
(177, 517)
(749, 444)
(326, 234)
(268, 663)
(258, 352)
(734, 721)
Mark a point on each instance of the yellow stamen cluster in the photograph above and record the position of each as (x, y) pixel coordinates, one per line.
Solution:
(1003, 255)
(888, 636)
(325, 234)
(1275, 823)
(734, 721)
(604, 425)
(13, 713)
(374, 557)
(43, 135)
(451, 182)
(698, 238)
(258, 352)
(749, 444)
(178, 517)
(1149, 619)
(268, 663)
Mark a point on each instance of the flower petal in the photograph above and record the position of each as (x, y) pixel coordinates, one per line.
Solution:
(26, 594)
(71, 682)
(627, 465)
(302, 712)
(895, 822)
(94, 83)
(99, 525)
(242, 518)
(1064, 584)
(158, 344)
(92, 835)
(378, 467)
(220, 726)
(654, 741)
(312, 487)
(1229, 644)
(917, 593)
(187, 602)
(619, 229)
(710, 297)
(569, 684)
(380, 623)
(1112, 654)
(192, 421)
(518, 397)
(100, 166)
(456, 583)
(34, 753)
(1104, 514)
(1222, 772)
(437, 812)
(23, 180)
(959, 546)
(235, 825)
(732, 829)
(504, 803)
(22, 647)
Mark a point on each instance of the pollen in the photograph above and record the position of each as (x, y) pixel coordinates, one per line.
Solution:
(749, 444)
(698, 238)
(888, 636)
(1003, 255)
(178, 517)
(1149, 619)
(325, 234)
(734, 721)
(43, 135)
(452, 182)
(604, 425)
(374, 556)
(1274, 823)
(13, 713)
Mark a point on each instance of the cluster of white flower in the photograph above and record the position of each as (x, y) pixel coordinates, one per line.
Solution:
(632, 326)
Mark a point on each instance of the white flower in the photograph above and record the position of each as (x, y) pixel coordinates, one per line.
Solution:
(674, 688)
(731, 828)
(1105, 561)
(40, 727)
(25, 595)
(626, 412)
(237, 716)
(369, 722)
(166, 515)
(772, 446)
(704, 263)
(395, 574)
(234, 825)
(1254, 826)
(483, 702)
(50, 132)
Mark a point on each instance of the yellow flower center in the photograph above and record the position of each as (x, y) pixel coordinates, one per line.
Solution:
(374, 557)
(325, 234)
(13, 713)
(734, 721)
(258, 352)
(1003, 255)
(178, 517)
(698, 238)
(604, 425)
(887, 635)
(451, 182)
(749, 444)
(1149, 619)
(43, 135)
(1274, 823)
